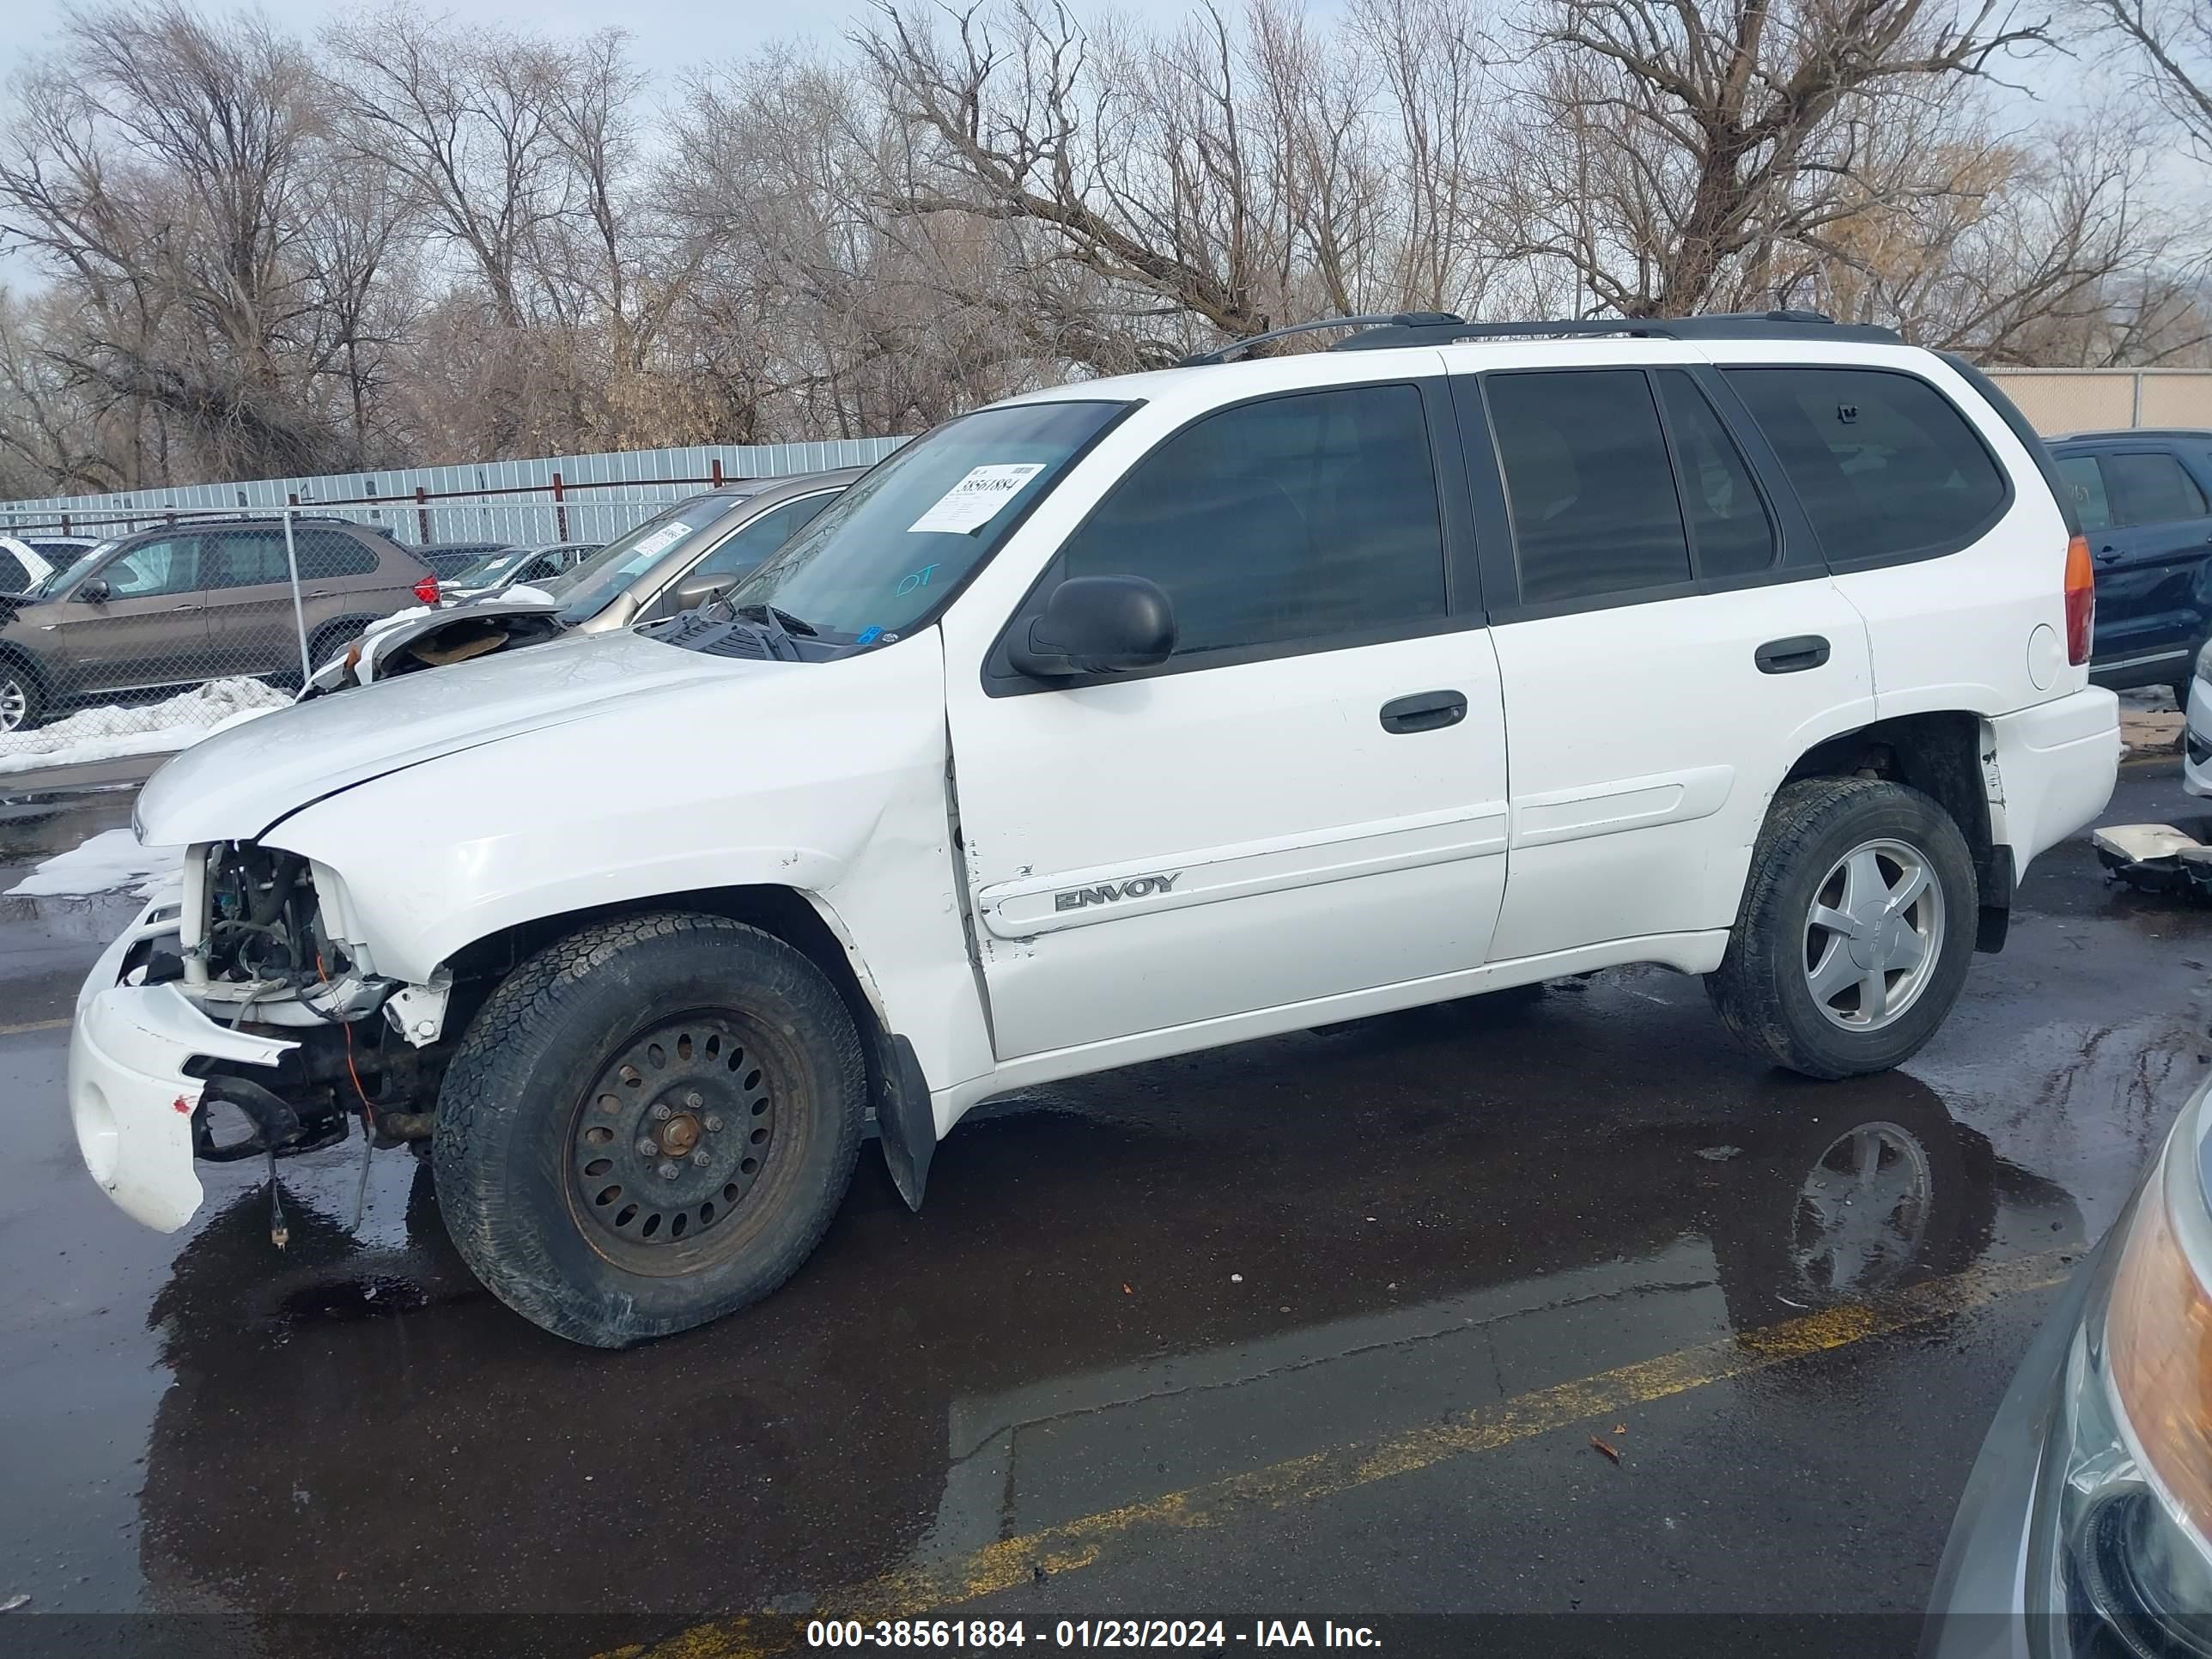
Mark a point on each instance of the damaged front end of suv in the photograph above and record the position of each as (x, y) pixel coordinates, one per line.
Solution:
(243, 1017)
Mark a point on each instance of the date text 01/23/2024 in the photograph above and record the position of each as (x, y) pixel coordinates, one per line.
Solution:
(978, 1634)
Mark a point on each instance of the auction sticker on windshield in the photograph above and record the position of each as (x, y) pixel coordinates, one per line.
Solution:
(976, 499)
(661, 539)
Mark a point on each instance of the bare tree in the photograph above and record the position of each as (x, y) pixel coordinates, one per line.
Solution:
(2168, 45)
(167, 164)
(1695, 138)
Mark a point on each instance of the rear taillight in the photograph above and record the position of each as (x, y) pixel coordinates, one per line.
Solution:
(427, 590)
(2081, 600)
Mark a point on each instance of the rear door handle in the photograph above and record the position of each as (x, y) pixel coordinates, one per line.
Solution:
(2107, 555)
(1791, 656)
(1425, 711)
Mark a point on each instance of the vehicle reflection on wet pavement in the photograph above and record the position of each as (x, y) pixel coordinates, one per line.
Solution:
(1144, 1283)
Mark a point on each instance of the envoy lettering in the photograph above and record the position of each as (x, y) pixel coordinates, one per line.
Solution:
(1107, 892)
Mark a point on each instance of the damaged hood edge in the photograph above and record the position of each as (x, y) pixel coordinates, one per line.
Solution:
(234, 785)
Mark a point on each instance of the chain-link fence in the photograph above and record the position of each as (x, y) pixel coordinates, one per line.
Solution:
(137, 633)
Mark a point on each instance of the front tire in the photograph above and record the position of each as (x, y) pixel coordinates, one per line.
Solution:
(22, 701)
(1857, 926)
(648, 1125)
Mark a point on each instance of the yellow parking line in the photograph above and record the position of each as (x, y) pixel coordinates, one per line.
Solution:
(913, 1591)
(32, 1025)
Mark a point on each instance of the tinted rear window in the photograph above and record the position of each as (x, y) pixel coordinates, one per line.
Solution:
(1884, 465)
(1588, 482)
(2149, 488)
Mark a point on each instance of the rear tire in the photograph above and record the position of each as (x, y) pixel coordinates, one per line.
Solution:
(1832, 970)
(719, 1047)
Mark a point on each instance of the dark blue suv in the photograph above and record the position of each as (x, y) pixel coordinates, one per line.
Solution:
(2145, 498)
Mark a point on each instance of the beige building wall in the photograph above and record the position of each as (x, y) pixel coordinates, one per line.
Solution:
(2061, 400)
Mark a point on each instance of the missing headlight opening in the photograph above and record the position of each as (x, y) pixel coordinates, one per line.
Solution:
(257, 950)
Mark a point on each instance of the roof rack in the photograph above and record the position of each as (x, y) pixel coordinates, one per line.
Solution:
(1414, 328)
(1718, 325)
(1393, 319)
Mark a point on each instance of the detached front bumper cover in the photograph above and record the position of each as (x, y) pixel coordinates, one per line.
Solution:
(130, 1100)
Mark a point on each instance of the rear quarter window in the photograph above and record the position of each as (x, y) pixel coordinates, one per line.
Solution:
(1885, 466)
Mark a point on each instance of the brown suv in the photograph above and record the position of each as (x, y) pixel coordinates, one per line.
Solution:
(174, 607)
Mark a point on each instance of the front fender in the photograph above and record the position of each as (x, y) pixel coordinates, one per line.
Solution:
(830, 781)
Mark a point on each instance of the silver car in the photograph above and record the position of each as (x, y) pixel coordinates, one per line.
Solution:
(695, 550)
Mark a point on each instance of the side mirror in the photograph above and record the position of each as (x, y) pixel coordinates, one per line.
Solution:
(93, 591)
(696, 589)
(1098, 625)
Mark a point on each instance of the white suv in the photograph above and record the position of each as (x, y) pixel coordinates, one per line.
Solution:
(1127, 719)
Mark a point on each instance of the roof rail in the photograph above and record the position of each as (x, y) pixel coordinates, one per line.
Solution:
(1416, 328)
(1395, 319)
(1729, 326)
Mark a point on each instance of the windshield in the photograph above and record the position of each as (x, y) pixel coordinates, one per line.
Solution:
(64, 579)
(886, 551)
(591, 585)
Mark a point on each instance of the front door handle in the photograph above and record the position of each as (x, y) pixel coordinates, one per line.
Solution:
(1791, 656)
(1425, 711)
(188, 606)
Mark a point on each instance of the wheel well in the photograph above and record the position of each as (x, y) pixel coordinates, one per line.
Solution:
(780, 911)
(26, 665)
(1940, 754)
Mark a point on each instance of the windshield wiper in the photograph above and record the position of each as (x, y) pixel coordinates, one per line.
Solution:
(783, 619)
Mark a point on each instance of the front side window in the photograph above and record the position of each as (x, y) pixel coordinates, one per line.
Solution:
(1884, 465)
(2148, 487)
(1587, 482)
(884, 553)
(154, 570)
(1295, 518)
(2084, 480)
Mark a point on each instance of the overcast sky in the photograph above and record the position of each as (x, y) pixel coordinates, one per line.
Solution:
(667, 36)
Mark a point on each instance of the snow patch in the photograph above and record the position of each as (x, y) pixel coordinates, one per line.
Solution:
(153, 728)
(111, 861)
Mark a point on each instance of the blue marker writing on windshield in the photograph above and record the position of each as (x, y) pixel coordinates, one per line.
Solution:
(869, 635)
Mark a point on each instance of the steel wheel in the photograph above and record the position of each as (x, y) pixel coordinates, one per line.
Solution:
(15, 702)
(1873, 934)
(1862, 1213)
(671, 1138)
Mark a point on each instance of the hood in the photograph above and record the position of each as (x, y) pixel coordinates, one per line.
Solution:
(233, 784)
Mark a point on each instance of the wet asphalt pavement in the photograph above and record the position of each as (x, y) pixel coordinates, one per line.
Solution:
(1203, 1338)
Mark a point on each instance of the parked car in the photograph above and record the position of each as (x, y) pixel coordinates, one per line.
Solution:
(697, 550)
(448, 559)
(2145, 499)
(183, 604)
(527, 566)
(23, 566)
(2083, 1529)
(1120, 721)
